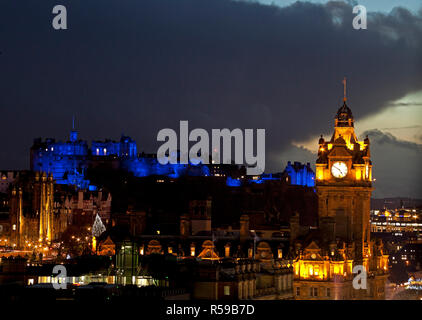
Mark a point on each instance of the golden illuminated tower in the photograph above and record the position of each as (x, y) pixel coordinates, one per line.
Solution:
(343, 184)
(46, 194)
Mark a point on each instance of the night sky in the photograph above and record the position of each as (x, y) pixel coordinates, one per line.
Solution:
(135, 67)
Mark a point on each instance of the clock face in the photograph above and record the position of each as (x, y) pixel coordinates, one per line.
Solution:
(339, 169)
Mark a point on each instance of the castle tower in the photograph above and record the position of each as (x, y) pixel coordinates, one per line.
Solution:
(16, 217)
(343, 184)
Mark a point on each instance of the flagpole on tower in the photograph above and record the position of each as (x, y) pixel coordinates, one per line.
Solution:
(344, 89)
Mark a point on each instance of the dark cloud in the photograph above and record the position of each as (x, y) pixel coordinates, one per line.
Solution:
(292, 153)
(396, 165)
(387, 138)
(139, 66)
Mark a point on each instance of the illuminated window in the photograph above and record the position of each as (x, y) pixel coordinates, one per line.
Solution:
(336, 270)
(227, 251)
(280, 254)
(14, 227)
(226, 290)
(250, 252)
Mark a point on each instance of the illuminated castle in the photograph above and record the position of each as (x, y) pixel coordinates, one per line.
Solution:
(325, 259)
(68, 161)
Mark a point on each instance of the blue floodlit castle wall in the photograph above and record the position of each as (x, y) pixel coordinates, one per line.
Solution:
(300, 174)
(68, 163)
(148, 166)
(126, 147)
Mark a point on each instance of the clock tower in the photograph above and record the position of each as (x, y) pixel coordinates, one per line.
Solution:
(325, 259)
(344, 187)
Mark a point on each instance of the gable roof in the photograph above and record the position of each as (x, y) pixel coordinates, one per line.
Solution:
(340, 151)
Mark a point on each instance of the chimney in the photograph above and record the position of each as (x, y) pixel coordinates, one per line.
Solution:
(244, 226)
(294, 227)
